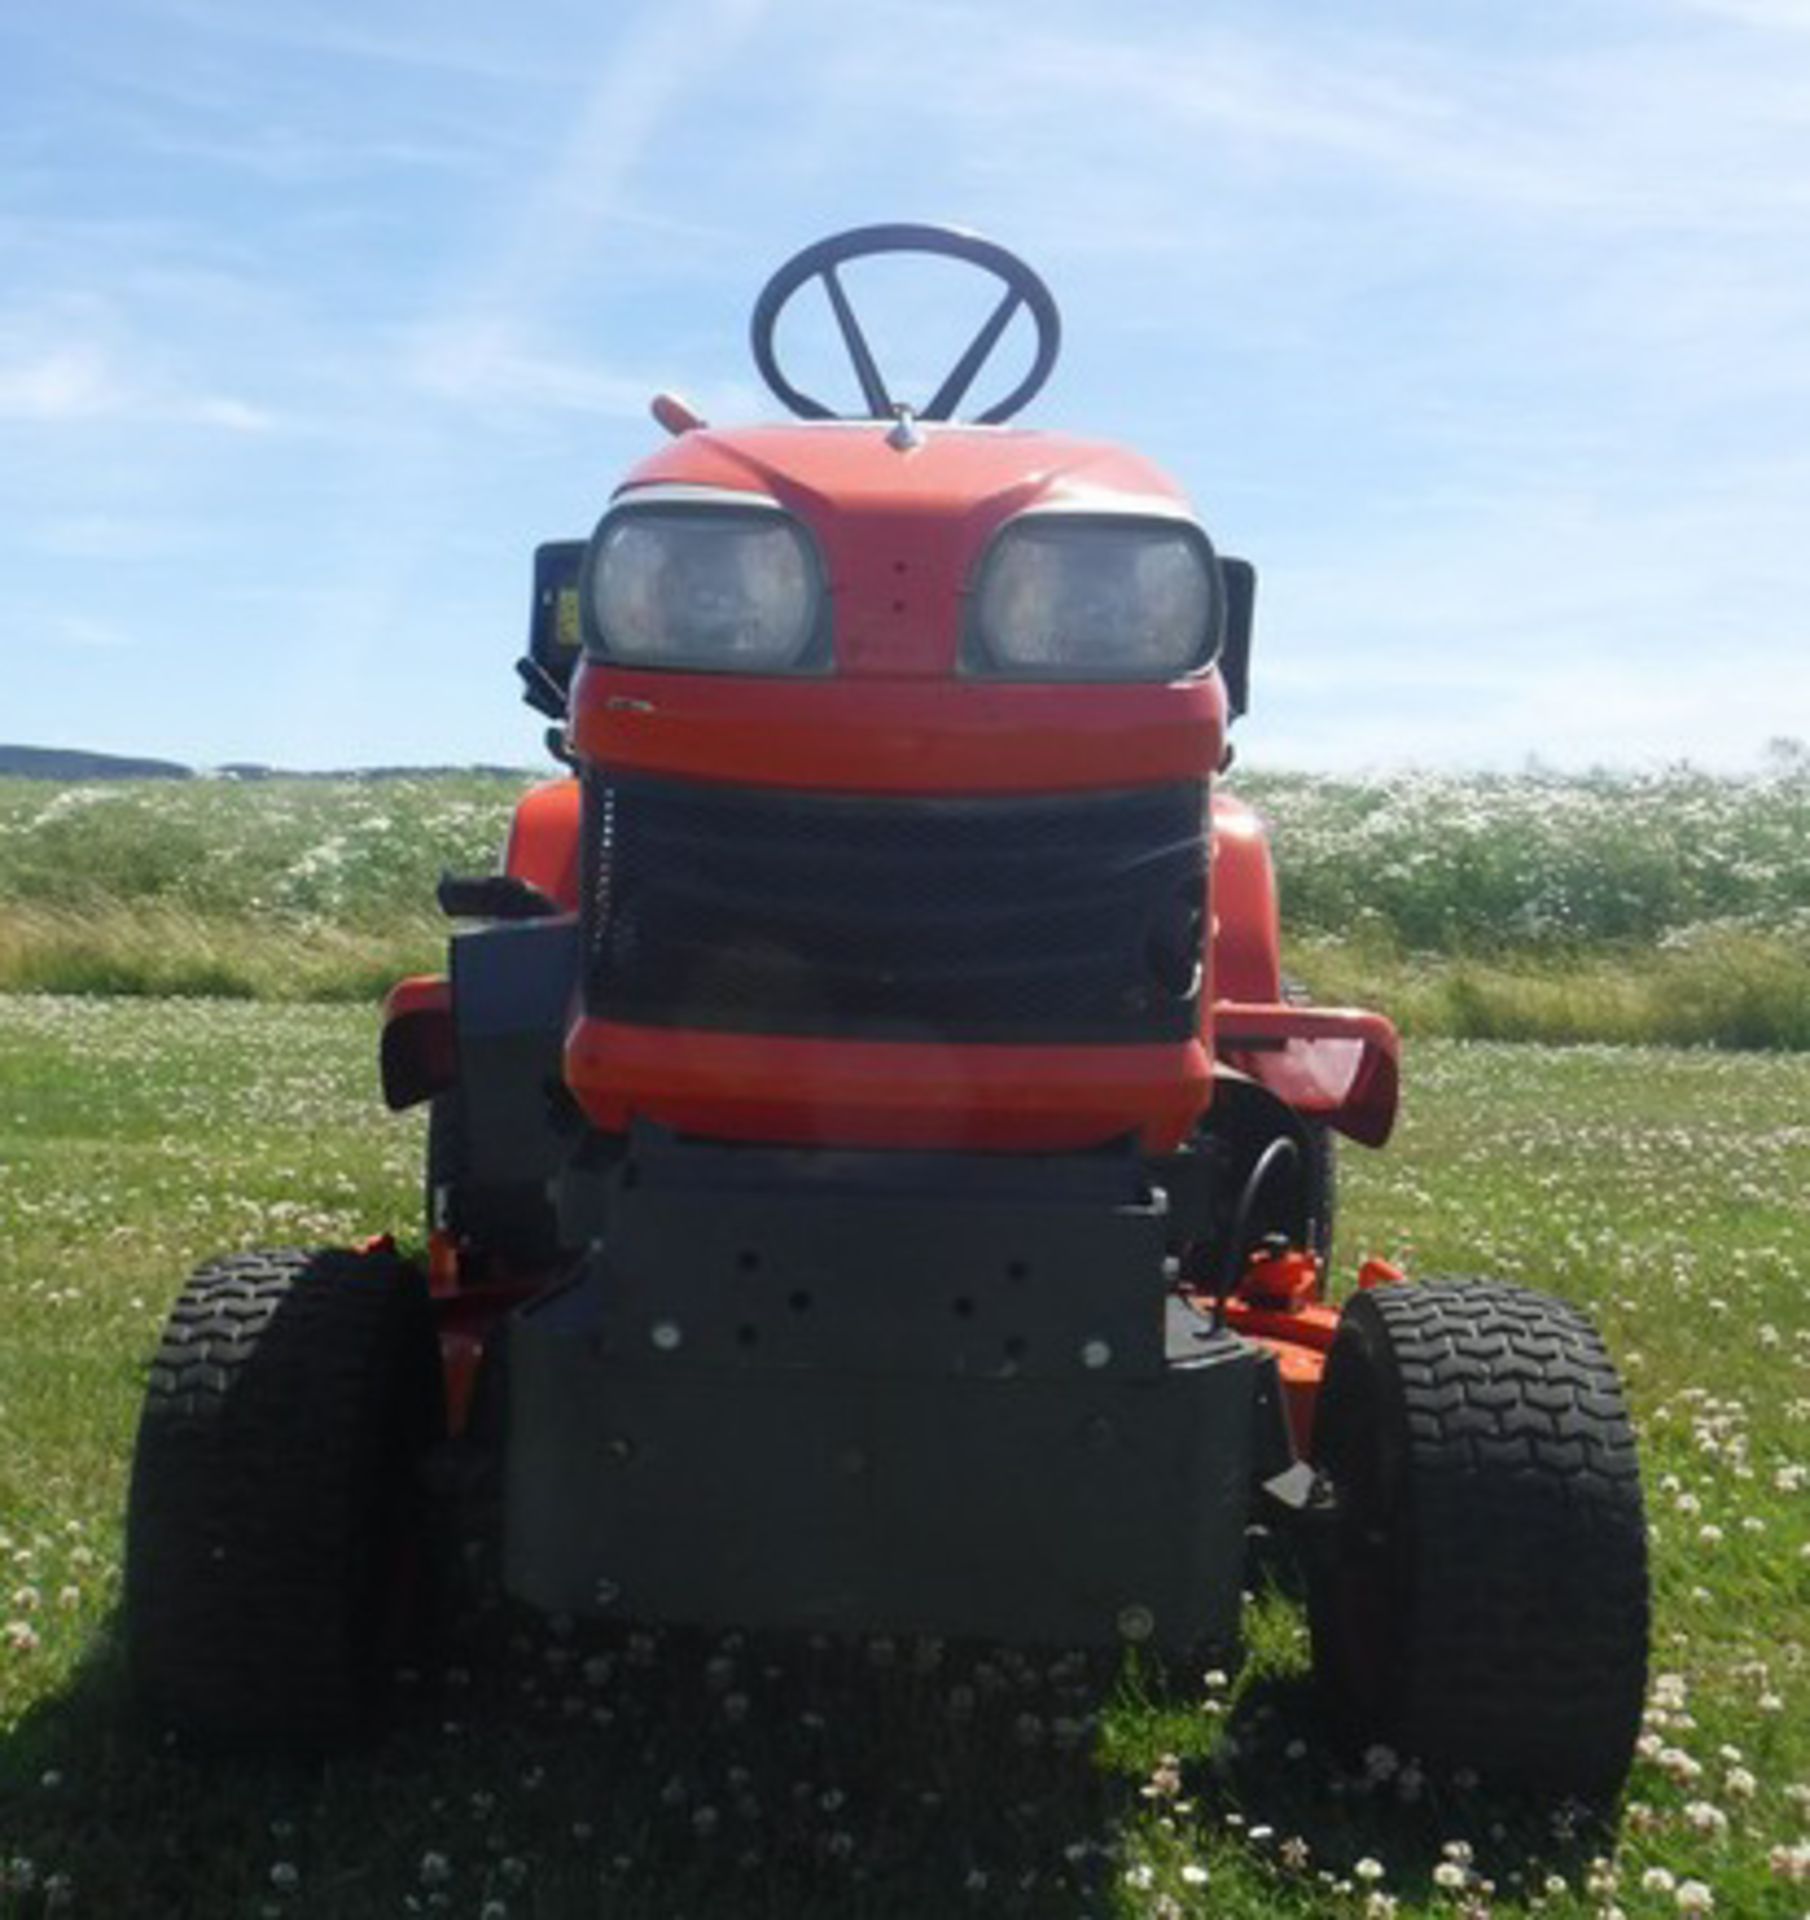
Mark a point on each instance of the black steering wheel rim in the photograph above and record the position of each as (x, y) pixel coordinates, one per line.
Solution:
(1024, 288)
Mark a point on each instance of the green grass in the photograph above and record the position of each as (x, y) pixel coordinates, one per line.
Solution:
(1671, 908)
(587, 1773)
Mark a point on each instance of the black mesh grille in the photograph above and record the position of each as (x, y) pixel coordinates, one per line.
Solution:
(1076, 918)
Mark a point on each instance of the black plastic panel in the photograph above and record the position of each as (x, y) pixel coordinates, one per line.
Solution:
(512, 991)
(1074, 918)
(807, 1404)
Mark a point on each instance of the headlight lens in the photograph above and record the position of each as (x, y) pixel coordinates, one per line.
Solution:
(735, 589)
(1068, 597)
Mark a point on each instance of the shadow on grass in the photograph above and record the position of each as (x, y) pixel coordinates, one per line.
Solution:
(598, 1770)
(637, 1774)
(1276, 1769)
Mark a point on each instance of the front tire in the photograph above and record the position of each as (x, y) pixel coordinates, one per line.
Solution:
(274, 1519)
(1483, 1601)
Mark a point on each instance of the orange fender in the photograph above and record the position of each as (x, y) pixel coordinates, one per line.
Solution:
(1337, 1064)
(542, 847)
(1246, 948)
(417, 1052)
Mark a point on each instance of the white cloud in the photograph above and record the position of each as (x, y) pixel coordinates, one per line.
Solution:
(222, 410)
(478, 365)
(108, 536)
(89, 635)
(58, 383)
(50, 380)
(437, 45)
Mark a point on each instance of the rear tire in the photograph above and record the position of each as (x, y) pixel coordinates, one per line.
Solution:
(274, 1524)
(1484, 1601)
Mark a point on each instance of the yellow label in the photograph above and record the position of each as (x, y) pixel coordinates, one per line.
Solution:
(565, 618)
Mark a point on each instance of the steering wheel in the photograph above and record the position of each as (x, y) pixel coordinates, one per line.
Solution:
(1022, 288)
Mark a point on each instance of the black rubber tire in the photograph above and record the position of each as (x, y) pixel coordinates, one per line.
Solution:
(274, 1525)
(1482, 1601)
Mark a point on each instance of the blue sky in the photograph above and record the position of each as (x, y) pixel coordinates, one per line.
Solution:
(1484, 330)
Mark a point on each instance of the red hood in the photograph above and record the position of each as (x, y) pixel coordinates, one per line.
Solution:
(838, 467)
(901, 531)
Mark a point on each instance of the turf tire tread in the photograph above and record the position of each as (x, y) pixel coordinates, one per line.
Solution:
(1515, 1557)
(284, 1416)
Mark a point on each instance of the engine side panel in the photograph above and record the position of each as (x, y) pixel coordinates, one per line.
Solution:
(1246, 941)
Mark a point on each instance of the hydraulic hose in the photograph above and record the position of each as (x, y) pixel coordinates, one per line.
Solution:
(1282, 1150)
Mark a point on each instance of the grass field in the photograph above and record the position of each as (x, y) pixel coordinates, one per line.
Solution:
(570, 1773)
(1673, 907)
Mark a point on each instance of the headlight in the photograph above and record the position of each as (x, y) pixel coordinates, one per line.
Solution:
(711, 582)
(1095, 597)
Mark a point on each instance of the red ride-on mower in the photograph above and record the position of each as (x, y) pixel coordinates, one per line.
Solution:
(877, 1180)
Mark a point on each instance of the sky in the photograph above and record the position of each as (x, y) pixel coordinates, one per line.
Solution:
(1483, 330)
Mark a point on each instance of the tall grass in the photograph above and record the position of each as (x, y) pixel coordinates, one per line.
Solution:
(281, 889)
(1541, 863)
(1670, 907)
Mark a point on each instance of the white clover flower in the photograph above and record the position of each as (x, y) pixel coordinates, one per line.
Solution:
(1165, 1781)
(1694, 1897)
(1791, 1863)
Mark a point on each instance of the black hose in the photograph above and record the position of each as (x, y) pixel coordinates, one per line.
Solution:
(1281, 1149)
